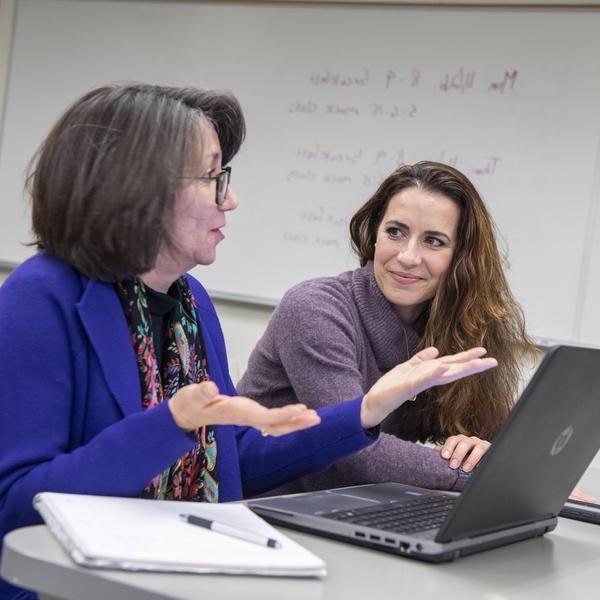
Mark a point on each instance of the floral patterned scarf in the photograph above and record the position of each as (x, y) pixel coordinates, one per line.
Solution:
(194, 475)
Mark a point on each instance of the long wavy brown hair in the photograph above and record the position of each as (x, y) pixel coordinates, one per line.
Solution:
(473, 305)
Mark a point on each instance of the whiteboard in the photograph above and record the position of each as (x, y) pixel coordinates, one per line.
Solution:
(335, 98)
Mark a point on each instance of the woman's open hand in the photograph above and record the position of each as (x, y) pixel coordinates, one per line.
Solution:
(423, 371)
(201, 404)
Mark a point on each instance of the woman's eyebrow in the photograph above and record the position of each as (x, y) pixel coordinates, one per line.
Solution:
(397, 224)
(438, 233)
(401, 225)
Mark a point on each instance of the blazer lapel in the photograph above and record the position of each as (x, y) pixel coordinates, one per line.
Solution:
(104, 322)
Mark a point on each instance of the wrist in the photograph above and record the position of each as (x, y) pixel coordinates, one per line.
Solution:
(368, 420)
(180, 414)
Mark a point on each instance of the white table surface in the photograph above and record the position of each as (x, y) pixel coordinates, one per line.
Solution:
(564, 564)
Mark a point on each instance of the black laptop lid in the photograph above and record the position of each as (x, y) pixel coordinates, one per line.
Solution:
(540, 453)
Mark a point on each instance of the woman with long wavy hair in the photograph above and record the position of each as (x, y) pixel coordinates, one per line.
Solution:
(431, 274)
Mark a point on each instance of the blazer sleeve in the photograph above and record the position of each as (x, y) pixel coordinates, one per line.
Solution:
(44, 399)
(268, 462)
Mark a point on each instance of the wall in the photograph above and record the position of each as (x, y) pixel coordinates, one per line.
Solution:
(6, 19)
(243, 325)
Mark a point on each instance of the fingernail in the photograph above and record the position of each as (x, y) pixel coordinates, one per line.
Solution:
(454, 464)
(446, 453)
(467, 468)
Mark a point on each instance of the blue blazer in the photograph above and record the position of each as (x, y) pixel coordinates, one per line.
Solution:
(70, 402)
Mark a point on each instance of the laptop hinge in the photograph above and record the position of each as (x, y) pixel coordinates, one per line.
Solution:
(442, 538)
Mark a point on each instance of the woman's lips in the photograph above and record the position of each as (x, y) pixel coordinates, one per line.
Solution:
(405, 278)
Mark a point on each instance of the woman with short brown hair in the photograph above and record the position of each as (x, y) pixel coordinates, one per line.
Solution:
(113, 369)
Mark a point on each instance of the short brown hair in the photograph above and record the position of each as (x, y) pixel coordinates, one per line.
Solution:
(103, 182)
(473, 305)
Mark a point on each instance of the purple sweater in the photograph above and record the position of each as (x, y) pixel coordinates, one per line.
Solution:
(331, 339)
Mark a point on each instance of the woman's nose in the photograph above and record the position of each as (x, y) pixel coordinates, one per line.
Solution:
(231, 200)
(409, 253)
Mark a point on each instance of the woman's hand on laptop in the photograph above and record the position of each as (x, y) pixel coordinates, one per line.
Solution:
(423, 371)
(463, 451)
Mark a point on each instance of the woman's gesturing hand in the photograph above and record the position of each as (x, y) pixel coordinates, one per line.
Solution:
(423, 371)
(201, 404)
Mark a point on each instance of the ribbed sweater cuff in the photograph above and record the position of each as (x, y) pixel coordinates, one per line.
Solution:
(461, 481)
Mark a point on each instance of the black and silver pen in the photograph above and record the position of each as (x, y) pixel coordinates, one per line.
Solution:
(242, 534)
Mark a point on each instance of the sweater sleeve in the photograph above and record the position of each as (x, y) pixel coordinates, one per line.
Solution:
(44, 390)
(313, 337)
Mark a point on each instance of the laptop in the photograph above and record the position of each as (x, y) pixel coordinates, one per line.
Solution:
(516, 493)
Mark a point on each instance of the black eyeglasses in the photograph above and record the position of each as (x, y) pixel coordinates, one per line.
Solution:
(222, 179)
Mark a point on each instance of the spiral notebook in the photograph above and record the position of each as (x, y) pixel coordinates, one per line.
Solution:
(149, 535)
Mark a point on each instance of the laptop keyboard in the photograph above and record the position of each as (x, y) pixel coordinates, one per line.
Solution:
(412, 516)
